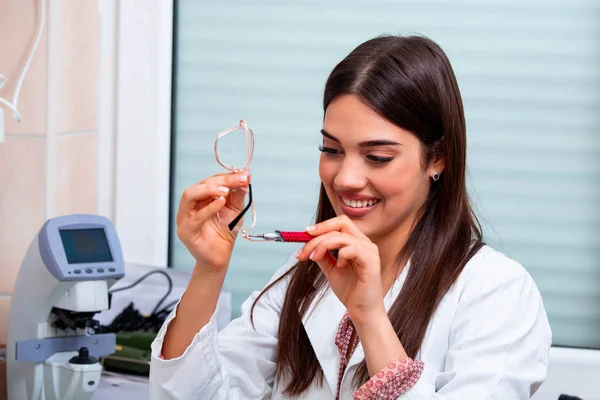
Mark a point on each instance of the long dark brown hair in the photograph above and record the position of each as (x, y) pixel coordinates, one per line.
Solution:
(410, 82)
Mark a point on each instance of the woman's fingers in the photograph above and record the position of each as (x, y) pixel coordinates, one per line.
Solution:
(326, 263)
(309, 248)
(345, 255)
(341, 223)
(230, 179)
(349, 248)
(209, 210)
(196, 194)
(215, 186)
(318, 246)
(195, 222)
(237, 200)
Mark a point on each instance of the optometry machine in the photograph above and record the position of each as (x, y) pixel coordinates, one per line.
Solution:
(52, 349)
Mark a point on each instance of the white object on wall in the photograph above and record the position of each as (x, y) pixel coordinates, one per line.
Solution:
(135, 111)
(14, 104)
(1, 125)
(108, 105)
(143, 126)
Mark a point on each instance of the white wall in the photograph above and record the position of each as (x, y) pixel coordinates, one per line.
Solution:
(135, 125)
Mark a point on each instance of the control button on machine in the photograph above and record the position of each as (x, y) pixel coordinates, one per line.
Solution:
(77, 271)
(89, 271)
(111, 270)
(101, 270)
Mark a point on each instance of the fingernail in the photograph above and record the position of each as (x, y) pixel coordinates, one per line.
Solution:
(243, 178)
(312, 254)
(310, 228)
(298, 253)
(223, 189)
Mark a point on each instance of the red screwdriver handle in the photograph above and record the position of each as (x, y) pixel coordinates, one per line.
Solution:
(295, 237)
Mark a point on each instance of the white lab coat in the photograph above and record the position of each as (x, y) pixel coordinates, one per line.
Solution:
(488, 339)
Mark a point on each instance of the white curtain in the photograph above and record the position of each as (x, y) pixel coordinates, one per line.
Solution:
(529, 71)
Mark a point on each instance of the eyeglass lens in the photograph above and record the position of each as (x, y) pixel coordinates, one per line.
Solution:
(234, 150)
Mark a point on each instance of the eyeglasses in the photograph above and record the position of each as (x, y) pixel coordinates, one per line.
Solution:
(234, 149)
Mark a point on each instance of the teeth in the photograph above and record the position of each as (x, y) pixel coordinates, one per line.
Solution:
(359, 203)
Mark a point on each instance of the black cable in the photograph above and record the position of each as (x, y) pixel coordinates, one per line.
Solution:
(137, 282)
(167, 307)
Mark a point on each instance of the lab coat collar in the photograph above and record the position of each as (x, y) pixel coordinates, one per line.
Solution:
(321, 323)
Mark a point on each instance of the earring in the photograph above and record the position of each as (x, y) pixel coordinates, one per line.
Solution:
(435, 176)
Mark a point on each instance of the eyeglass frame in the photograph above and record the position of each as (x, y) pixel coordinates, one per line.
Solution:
(249, 134)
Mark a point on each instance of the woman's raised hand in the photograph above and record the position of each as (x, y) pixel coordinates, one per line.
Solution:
(355, 277)
(209, 241)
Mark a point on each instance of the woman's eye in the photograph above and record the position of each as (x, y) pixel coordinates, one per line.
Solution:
(329, 150)
(375, 159)
(380, 160)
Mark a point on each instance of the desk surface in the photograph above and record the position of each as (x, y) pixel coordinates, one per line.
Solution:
(115, 386)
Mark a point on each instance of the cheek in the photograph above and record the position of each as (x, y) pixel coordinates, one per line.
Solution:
(326, 171)
(406, 188)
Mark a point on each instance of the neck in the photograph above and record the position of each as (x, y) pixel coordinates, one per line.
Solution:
(390, 244)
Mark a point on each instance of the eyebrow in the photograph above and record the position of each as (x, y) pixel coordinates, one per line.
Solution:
(368, 143)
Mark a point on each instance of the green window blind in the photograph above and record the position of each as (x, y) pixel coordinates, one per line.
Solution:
(529, 71)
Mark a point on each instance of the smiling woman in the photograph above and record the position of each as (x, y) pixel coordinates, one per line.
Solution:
(369, 166)
(393, 295)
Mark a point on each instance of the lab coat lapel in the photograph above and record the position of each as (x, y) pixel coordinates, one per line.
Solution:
(321, 323)
(388, 300)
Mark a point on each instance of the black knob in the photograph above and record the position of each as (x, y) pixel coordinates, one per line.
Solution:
(83, 357)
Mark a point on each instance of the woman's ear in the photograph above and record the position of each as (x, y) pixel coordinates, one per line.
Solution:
(437, 165)
(436, 169)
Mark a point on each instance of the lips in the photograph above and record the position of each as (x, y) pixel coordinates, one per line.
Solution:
(358, 206)
(359, 203)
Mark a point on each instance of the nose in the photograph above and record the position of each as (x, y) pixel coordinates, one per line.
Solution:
(350, 176)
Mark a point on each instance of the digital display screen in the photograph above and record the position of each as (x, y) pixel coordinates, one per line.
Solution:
(85, 245)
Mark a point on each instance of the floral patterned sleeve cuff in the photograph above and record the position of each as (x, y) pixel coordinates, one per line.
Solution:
(396, 378)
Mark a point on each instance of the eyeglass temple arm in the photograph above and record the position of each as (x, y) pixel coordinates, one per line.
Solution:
(237, 219)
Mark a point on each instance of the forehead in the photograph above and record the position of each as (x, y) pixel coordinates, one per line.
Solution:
(351, 120)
